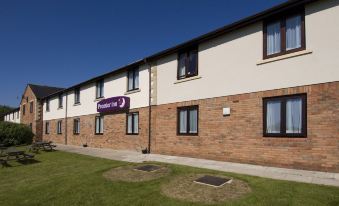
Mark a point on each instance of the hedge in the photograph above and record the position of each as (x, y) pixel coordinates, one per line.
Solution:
(15, 134)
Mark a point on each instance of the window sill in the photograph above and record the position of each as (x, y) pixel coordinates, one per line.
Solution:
(77, 104)
(99, 99)
(187, 79)
(132, 91)
(285, 56)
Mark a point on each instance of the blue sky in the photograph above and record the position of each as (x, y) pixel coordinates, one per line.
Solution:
(64, 42)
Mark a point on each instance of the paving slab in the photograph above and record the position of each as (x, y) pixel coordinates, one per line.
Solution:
(306, 176)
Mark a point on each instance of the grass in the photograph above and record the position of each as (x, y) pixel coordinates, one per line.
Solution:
(60, 178)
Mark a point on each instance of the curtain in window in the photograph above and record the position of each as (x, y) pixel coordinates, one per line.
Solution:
(182, 64)
(97, 125)
(293, 32)
(183, 121)
(130, 80)
(136, 123)
(293, 116)
(273, 38)
(193, 60)
(101, 124)
(193, 121)
(129, 124)
(101, 88)
(273, 117)
(136, 79)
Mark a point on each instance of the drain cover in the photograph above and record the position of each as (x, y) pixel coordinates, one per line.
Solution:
(148, 168)
(213, 181)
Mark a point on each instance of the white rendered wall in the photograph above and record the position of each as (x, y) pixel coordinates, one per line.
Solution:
(54, 112)
(228, 64)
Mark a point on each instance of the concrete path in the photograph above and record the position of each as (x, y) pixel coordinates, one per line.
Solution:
(324, 178)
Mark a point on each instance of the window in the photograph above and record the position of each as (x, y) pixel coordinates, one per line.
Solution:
(188, 64)
(77, 96)
(31, 107)
(188, 120)
(23, 109)
(285, 34)
(133, 79)
(13, 115)
(30, 126)
(133, 123)
(76, 126)
(18, 114)
(47, 105)
(99, 125)
(59, 127)
(60, 104)
(100, 89)
(47, 128)
(285, 116)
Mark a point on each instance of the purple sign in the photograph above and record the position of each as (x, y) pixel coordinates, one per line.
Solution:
(113, 104)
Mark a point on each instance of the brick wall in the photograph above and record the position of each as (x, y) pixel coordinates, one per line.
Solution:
(114, 135)
(239, 137)
(31, 118)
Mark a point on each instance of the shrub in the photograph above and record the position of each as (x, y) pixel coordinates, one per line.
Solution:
(15, 134)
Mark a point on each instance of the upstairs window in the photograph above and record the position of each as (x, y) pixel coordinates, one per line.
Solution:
(284, 35)
(285, 116)
(133, 123)
(31, 107)
(188, 120)
(77, 96)
(100, 89)
(133, 79)
(187, 64)
(76, 126)
(59, 127)
(60, 103)
(47, 105)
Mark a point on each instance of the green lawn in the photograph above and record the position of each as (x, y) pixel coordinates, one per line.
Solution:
(61, 178)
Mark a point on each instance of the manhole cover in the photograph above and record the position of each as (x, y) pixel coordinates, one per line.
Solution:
(213, 181)
(148, 168)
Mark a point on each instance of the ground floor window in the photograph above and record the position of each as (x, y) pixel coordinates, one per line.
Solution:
(76, 126)
(285, 116)
(47, 128)
(187, 122)
(99, 125)
(133, 123)
(59, 127)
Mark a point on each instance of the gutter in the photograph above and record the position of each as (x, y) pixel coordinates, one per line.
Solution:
(149, 106)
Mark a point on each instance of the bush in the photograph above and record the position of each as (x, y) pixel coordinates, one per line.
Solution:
(15, 134)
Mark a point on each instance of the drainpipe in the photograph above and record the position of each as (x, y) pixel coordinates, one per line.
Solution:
(66, 118)
(149, 105)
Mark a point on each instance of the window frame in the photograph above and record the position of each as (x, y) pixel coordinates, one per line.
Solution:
(75, 131)
(77, 95)
(23, 109)
(187, 108)
(31, 105)
(47, 105)
(59, 132)
(133, 116)
(95, 125)
(282, 19)
(283, 99)
(134, 72)
(100, 83)
(46, 127)
(186, 52)
(60, 101)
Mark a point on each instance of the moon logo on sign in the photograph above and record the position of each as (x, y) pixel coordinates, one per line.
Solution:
(122, 102)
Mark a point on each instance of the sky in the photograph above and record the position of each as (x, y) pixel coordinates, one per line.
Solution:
(64, 42)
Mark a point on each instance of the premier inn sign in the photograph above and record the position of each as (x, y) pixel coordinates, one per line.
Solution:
(113, 104)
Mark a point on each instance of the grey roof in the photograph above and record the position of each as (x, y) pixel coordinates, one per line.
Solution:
(41, 91)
